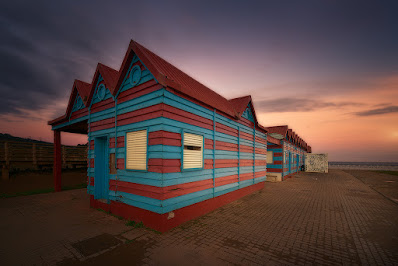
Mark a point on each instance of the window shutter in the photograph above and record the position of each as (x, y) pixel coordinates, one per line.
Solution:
(193, 151)
(136, 150)
(270, 157)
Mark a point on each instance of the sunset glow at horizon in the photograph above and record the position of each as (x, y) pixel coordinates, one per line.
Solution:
(329, 72)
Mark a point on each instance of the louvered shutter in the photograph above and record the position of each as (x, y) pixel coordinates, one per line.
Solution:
(270, 157)
(193, 158)
(136, 150)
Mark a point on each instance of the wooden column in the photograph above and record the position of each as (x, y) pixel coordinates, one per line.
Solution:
(57, 161)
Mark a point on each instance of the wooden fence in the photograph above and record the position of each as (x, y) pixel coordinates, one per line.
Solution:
(30, 155)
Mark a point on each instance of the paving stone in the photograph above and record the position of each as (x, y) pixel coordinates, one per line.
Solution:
(322, 219)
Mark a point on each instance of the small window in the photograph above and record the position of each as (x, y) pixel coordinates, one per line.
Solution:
(193, 151)
(136, 150)
(270, 157)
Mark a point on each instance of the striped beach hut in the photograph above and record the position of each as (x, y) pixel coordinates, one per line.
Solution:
(163, 148)
(285, 153)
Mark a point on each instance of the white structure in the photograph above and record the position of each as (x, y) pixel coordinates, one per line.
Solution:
(316, 163)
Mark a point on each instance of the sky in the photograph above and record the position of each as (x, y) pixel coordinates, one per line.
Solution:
(328, 69)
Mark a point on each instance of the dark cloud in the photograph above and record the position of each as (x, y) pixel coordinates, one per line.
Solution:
(281, 105)
(45, 45)
(378, 111)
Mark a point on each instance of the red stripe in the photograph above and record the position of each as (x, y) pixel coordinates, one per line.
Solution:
(260, 174)
(164, 134)
(164, 169)
(221, 181)
(120, 163)
(160, 141)
(271, 170)
(120, 142)
(102, 124)
(246, 122)
(79, 113)
(164, 162)
(186, 120)
(138, 91)
(188, 115)
(245, 135)
(161, 222)
(139, 112)
(261, 140)
(102, 105)
(261, 151)
(164, 138)
(246, 176)
(134, 118)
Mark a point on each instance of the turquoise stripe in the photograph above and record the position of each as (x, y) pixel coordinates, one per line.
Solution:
(274, 166)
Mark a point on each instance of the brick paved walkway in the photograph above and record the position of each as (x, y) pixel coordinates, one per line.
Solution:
(311, 218)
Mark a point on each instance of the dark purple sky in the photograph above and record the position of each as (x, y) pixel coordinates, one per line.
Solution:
(305, 63)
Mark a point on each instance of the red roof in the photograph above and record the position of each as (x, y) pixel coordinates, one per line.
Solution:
(273, 140)
(282, 130)
(168, 75)
(84, 90)
(110, 76)
(240, 104)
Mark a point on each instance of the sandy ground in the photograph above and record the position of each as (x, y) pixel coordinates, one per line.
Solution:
(41, 180)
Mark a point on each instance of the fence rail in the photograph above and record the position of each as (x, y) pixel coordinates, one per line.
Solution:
(31, 155)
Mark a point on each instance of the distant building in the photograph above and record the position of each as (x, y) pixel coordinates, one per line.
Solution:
(285, 153)
(163, 148)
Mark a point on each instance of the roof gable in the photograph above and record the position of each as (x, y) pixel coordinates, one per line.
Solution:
(81, 89)
(154, 67)
(248, 114)
(108, 75)
(170, 76)
(78, 104)
(136, 75)
(276, 131)
(240, 104)
(101, 91)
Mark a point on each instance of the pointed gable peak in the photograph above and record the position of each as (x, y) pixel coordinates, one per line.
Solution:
(170, 76)
(109, 75)
(83, 89)
(278, 132)
(240, 104)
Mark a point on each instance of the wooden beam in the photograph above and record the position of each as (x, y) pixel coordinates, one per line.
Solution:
(57, 160)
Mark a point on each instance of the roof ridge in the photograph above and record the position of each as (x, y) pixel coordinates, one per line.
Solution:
(177, 75)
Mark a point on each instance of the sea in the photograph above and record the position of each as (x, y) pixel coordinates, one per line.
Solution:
(388, 166)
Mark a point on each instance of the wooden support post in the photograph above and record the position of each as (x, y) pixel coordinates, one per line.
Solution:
(64, 157)
(57, 160)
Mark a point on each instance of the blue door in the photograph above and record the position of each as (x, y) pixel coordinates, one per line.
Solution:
(101, 180)
(298, 162)
(290, 162)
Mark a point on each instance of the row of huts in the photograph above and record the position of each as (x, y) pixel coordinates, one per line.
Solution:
(164, 148)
